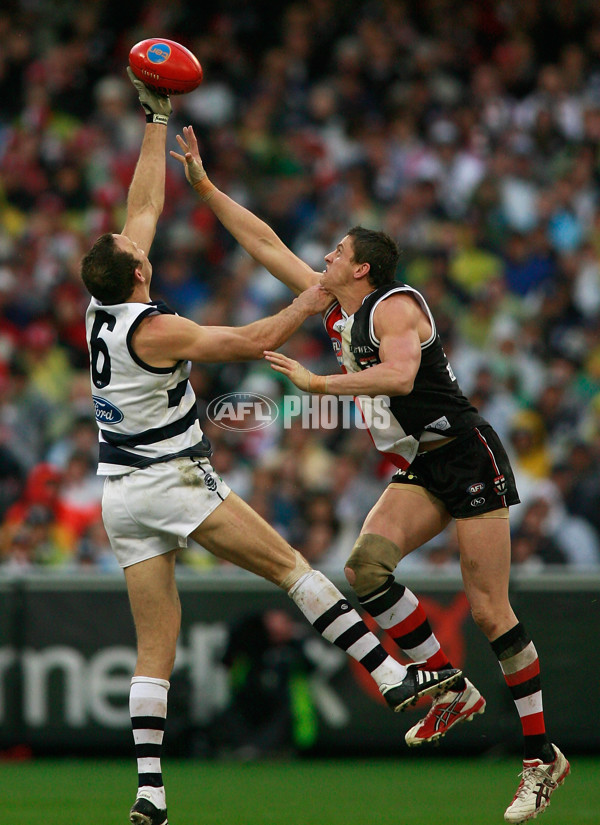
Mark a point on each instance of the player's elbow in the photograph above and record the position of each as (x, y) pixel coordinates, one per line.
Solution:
(267, 239)
(263, 245)
(251, 348)
(402, 384)
(254, 352)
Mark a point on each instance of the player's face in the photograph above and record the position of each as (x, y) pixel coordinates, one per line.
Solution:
(127, 245)
(339, 265)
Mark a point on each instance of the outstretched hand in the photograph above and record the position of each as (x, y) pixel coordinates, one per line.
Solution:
(297, 374)
(157, 107)
(191, 160)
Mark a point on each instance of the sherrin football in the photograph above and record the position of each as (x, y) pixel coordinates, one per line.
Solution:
(165, 66)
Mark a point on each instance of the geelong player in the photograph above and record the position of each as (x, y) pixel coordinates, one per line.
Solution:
(160, 488)
(451, 465)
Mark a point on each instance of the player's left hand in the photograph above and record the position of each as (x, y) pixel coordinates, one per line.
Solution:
(191, 160)
(297, 374)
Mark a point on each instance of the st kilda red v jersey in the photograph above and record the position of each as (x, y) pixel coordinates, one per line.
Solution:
(435, 409)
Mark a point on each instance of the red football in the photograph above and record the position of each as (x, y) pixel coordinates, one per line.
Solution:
(165, 66)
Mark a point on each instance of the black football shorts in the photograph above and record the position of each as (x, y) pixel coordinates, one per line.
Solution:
(470, 476)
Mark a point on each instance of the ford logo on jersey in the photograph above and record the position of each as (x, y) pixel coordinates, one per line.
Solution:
(106, 413)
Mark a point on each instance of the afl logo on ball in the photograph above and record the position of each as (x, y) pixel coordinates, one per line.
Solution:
(158, 53)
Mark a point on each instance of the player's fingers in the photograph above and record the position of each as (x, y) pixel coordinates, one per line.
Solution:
(177, 156)
(181, 142)
(275, 358)
(282, 370)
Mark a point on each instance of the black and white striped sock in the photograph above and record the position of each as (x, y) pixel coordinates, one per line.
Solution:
(399, 612)
(337, 621)
(148, 710)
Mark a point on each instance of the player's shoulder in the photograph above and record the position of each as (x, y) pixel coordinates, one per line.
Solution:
(394, 297)
(154, 322)
(400, 309)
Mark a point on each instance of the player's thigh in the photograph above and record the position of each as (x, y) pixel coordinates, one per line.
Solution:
(235, 533)
(407, 515)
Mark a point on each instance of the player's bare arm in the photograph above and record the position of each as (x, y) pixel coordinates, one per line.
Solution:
(162, 340)
(252, 233)
(146, 195)
(400, 326)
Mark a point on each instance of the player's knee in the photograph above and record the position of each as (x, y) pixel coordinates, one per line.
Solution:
(301, 567)
(372, 561)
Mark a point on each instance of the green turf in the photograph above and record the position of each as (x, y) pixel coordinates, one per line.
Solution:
(325, 792)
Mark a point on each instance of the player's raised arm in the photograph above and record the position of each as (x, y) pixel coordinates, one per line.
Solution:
(252, 233)
(146, 196)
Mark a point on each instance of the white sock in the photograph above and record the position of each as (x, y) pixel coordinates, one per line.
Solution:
(337, 621)
(148, 710)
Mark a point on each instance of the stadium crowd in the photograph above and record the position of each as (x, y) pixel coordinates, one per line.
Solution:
(469, 131)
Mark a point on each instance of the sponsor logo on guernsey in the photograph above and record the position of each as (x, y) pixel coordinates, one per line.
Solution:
(242, 411)
(337, 349)
(340, 325)
(477, 502)
(500, 485)
(441, 423)
(476, 488)
(158, 53)
(106, 413)
(404, 474)
(362, 349)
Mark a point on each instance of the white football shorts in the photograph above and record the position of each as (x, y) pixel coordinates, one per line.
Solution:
(152, 511)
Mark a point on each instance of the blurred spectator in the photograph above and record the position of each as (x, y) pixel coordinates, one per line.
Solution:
(270, 710)
(94, 551)
(12, 478)
(531, 453)
(36, 520)
(81, 493)
(82, 438)
(547, 534)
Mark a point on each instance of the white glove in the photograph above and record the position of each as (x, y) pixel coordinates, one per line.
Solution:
(157, 107)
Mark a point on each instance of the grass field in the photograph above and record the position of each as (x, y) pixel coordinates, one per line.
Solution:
(323, 792)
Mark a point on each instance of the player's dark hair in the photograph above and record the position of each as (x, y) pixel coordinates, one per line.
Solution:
(107, 271)
(378, 250)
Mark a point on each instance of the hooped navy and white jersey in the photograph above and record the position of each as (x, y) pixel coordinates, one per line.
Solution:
(434, 409)
(145, 414)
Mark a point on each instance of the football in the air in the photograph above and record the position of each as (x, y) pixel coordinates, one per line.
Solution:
(165, 66)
